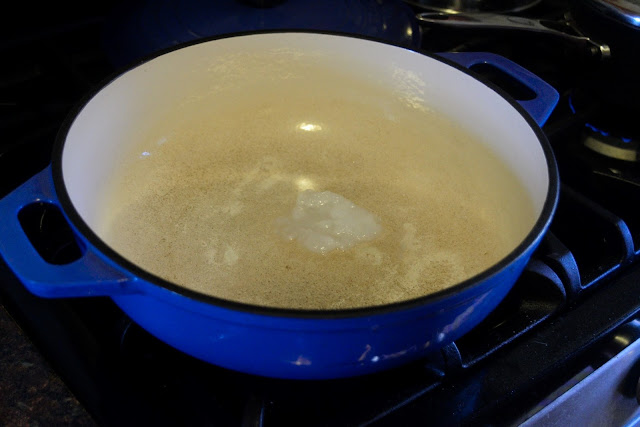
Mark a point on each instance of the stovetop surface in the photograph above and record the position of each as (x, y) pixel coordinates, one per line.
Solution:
(581, 284)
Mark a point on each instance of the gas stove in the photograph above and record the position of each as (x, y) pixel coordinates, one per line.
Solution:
(562, 347)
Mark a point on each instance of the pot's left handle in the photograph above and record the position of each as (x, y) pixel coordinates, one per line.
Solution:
(88, 276)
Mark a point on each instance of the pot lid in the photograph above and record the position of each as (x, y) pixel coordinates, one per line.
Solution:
(623, 11)
(138, 28)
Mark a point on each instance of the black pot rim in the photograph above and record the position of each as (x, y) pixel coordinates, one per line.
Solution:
(130, 268)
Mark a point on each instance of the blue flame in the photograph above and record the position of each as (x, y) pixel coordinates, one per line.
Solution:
(595, 129)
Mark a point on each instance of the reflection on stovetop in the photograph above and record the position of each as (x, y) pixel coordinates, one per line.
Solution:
(580, 286)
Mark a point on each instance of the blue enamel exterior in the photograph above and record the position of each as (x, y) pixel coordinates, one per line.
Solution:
(314, 348)
(269, 342)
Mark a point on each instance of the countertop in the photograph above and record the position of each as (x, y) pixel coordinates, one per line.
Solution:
(31, 393)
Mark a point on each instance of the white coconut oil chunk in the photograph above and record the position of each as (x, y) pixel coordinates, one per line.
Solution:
(325, 221)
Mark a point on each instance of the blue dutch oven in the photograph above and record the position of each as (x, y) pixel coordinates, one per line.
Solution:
(278, 342)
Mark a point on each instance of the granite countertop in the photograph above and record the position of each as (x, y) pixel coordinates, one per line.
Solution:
(31, 393)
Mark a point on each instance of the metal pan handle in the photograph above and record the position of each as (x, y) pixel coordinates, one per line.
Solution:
(546, 97)
(565, 31)
(90, 275)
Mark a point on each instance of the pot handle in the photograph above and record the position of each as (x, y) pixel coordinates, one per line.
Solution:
(88, 276)
(546, 97)
(563, 31)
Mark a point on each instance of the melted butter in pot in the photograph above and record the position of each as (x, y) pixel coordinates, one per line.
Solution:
(317, 202)
(325, 221)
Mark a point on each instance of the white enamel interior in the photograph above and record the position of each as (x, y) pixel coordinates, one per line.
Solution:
(173, 83)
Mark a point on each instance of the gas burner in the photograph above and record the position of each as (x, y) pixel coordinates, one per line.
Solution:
(601, 142)
(457, 6)
(610, 114)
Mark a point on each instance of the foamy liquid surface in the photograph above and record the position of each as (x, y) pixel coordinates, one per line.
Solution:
(198, 202)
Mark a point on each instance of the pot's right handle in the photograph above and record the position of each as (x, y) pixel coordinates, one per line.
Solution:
(546, 97)
(90, 275)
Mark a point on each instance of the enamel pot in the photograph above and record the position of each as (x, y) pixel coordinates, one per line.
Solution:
(274, 342)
